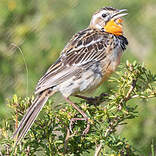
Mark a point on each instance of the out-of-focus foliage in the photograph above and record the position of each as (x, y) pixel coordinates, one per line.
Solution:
(50, 134)
(41, 28)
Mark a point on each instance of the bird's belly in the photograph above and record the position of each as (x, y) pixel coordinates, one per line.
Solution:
(87, 82)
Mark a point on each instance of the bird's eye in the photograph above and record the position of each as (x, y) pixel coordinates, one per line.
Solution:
(104, 15)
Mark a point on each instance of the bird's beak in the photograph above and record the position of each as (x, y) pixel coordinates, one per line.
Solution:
(119, 14)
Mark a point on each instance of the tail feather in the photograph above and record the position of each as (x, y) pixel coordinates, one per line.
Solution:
(30, 116)
(25, 117)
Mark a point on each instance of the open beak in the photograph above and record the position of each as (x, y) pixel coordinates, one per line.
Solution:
(119, 14)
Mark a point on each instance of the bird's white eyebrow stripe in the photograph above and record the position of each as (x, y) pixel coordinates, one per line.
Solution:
(95, 17)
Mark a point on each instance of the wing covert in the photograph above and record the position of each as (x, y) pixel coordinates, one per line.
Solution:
(86, 46)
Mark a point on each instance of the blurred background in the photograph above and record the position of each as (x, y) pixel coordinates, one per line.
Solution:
(42, 28)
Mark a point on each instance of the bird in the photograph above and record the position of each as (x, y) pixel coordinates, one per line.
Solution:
(85, 63)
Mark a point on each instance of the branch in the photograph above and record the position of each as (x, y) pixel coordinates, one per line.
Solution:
(98, 149)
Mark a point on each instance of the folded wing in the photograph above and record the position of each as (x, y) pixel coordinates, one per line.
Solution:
(86, 46)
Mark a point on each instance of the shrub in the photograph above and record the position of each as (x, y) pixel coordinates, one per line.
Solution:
(50, 134)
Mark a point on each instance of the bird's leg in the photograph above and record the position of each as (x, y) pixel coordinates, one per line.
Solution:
(84, 97)
(85, 118)
(92, 100)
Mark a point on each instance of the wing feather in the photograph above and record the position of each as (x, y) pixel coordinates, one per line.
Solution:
(86, 46)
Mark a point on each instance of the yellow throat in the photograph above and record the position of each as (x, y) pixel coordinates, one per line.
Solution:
(114, 27)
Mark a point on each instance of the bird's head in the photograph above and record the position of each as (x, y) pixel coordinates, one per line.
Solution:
(109, 20)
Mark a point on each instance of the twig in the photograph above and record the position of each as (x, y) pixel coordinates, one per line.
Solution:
(25, 64)
(128, 96)
(115, 120)
(68, 136)
(98, 149)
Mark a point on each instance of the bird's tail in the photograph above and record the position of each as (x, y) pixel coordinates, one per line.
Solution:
(31, 115)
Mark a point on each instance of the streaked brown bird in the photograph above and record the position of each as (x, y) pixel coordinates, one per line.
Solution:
(86, 61)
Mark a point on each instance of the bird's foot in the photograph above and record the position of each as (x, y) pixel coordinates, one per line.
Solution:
(93, 101)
